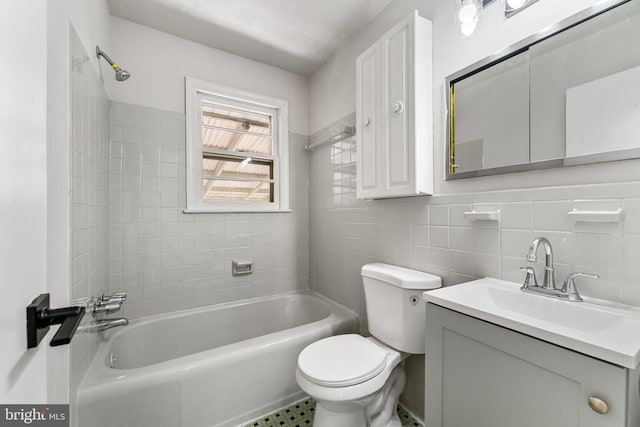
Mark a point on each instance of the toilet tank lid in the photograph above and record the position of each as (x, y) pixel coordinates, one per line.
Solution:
(401, 277)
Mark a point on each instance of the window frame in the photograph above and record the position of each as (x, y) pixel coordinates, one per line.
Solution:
(217, 94)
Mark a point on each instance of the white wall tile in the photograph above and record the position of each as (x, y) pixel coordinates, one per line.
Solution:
(495, 249)
(630, 252)
(91, 199)
(516, 215)
(420, 235)
(439, 215)
(176, 253)
(552, 216)
(514, 243)
(461, 238)
(510, 269)
(598, 250)
(631, 211)
(486, 240)
(439, 237)
(486, 265)
(461, 262)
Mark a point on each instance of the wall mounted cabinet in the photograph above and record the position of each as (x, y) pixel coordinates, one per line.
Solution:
(394, 120)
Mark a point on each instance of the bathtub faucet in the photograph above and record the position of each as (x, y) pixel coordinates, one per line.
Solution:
(105, 304)
(104, 324)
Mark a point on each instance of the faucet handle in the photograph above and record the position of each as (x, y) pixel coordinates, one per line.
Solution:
(569, 286)
(530, 280)
(115, 298)
(107, 308)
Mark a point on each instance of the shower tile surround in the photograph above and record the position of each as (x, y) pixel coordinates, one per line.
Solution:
(167, 260)
(89, 197)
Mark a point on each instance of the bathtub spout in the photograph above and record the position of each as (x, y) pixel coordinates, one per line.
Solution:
(104, 324)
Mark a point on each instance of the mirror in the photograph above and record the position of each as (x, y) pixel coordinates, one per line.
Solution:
(569, 95)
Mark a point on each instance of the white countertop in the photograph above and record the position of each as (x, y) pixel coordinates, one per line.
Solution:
(605, 331)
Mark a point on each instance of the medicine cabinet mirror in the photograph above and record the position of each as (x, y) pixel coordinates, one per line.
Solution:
(566, 96)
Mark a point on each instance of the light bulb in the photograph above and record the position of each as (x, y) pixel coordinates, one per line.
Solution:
(515, 4)
(468, 28)
(469, 12)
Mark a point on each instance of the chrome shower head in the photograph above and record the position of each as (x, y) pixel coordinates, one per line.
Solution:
(121, 75)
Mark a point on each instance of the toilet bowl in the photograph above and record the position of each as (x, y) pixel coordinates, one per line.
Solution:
(352, 378)
(357, 381)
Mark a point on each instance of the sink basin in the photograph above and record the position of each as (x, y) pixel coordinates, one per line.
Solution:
(607, 332)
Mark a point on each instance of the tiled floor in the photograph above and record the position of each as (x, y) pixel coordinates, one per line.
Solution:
(300, 414)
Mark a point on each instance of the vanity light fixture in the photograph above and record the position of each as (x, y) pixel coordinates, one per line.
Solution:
(469, 16)
(511, 7)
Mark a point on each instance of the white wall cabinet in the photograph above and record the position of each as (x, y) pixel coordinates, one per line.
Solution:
(394, 120)
(482, 375)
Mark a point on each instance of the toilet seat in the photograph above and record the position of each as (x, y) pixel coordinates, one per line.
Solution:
(342, 360)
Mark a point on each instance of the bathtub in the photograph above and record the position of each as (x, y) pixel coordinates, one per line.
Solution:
(215, 366)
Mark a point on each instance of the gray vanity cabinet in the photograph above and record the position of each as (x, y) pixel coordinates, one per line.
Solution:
(482, 375)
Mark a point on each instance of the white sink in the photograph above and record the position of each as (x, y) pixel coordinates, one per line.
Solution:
(607, 332)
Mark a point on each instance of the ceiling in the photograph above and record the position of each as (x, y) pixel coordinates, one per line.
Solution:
(295, 35)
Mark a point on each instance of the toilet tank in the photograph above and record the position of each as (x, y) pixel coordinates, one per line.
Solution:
(396, 312)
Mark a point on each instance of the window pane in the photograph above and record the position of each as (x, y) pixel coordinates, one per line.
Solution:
(228, 118)
(236, 167)
(235, 141)
(220, 190)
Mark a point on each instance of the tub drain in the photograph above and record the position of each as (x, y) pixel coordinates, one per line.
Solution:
(112, 360)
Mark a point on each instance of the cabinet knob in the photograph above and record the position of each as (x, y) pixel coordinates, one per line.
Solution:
(366, 122)
(598, 405)
(398, 107)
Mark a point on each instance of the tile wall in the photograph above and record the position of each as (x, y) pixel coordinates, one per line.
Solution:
(167, 260)
(89, 197)
(431, 234)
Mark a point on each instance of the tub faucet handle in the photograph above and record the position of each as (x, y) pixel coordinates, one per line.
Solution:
(106, 308)
(115, 298)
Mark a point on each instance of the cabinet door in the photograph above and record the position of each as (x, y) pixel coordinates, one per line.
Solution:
(398, 107)
(368, 165)
(482, 375)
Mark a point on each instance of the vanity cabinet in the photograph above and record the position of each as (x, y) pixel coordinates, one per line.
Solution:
(394, 125)
(483, 375)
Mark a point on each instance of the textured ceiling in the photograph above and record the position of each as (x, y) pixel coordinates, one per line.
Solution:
(296, 35)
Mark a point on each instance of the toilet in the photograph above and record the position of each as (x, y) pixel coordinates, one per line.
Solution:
(356, 381)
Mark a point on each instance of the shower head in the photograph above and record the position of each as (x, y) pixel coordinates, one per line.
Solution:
(121, 75)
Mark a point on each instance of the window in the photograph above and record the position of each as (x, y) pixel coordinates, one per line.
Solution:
(237, 150)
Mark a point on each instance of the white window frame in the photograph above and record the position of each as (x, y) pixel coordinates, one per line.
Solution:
(196, 91)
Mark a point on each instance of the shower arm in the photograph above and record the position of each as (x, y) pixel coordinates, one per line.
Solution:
(100, 53)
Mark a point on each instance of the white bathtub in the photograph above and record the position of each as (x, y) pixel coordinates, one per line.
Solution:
(215, 366)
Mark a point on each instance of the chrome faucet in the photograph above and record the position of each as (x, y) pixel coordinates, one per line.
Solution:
(568, 291)
(105, 304)
(103, 324)
(549, 281)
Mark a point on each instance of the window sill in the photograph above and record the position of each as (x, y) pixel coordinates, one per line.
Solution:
(213, 211)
